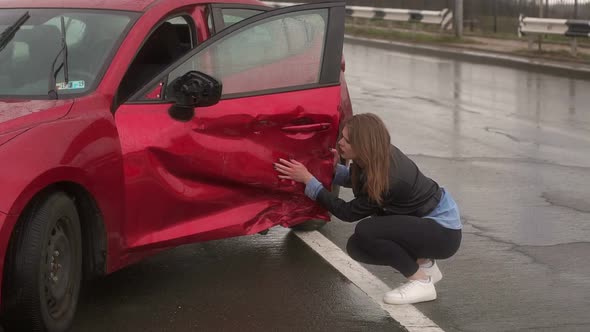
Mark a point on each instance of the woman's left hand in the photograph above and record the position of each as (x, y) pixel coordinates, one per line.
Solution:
(293, 170)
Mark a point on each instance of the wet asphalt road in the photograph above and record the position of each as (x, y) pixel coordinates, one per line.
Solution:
(254, 283)
(513, 147)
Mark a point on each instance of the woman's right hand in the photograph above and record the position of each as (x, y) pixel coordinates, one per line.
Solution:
(336, 157)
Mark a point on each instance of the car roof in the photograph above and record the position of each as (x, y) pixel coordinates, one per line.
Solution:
(130, 5)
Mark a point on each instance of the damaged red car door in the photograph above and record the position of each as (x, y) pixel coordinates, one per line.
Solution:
(212, 176)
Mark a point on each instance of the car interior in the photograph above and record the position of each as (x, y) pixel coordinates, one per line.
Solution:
(166, 44)
(38, 42)
(25, 63)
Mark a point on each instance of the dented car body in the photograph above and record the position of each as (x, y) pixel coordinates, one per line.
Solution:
(140, 179)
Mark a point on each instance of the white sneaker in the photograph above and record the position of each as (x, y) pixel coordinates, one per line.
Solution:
(433, 272)
(414, 291)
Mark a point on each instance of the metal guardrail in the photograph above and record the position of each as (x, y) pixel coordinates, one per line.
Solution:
(443, 18)
(528, 26)
(551, 26)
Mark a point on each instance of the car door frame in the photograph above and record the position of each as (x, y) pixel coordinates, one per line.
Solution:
(330, 72)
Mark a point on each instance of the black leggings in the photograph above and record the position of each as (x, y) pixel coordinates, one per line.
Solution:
(398, 241)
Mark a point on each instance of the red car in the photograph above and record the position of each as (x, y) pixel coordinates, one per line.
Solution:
(127, 127)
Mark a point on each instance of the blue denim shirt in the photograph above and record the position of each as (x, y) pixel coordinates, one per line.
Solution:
(445, 214)
(313, 187)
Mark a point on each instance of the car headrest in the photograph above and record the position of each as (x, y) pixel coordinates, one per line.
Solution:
(42, 40)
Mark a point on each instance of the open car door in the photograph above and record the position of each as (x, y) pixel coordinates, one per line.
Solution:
(212, 176)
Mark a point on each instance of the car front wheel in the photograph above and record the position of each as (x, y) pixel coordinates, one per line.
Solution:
(44, 267)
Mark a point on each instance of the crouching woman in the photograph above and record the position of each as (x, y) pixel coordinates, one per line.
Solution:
(412, 220)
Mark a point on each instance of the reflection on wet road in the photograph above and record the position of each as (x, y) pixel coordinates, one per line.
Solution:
(514, 149)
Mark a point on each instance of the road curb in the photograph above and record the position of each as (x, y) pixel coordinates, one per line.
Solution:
(570, 70)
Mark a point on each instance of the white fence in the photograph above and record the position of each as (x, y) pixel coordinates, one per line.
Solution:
(529, 26)
(443, 18)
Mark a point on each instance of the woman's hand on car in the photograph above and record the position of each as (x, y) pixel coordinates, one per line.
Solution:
(293, 170)
(336, 157)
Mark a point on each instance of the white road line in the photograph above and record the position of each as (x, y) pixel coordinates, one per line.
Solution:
(407, 315)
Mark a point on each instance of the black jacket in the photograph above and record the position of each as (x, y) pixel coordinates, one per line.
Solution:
(410, 193)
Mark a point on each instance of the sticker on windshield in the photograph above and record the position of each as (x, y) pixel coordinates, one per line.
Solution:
(71, 85)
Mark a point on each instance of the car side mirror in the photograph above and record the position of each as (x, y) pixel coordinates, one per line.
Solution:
(193, 89)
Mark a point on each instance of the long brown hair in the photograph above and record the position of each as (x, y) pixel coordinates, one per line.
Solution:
(370, 142)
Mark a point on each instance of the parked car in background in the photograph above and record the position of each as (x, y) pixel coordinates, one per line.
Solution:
(128, 127)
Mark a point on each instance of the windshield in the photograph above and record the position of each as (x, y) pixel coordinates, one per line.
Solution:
(27, 56)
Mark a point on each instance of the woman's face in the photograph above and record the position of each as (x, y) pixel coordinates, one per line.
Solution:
(344, 147)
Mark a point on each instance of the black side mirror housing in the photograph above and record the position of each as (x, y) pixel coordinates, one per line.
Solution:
(193, 89)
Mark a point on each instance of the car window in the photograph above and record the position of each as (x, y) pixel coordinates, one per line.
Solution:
(277, 52)
(27, 58)
(232, 16)
(75, 29)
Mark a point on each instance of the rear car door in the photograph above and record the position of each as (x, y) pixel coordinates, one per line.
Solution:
(212, 176)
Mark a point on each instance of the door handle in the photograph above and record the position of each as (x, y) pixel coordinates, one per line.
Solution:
(307, 128)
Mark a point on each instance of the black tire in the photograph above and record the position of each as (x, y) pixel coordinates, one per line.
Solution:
(44, 267)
